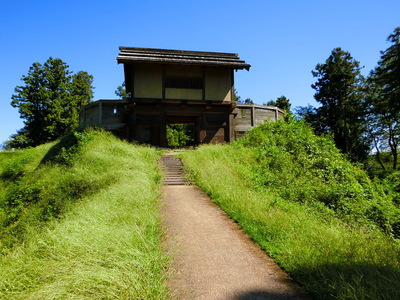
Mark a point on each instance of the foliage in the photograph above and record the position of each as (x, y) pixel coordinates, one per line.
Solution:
(283, 103)
(384, 100)
(238, 99)
(49, 102)
(236, 96)
(121, 92)
(89, 228)
(386, 176)
(68, 149)
(246, 101)
(339, 91)
(298, 166)
(180, 135)
(392, 183)
(18, 140)
(379, 169)
(309, 114)
(322, 219)
(361, 114)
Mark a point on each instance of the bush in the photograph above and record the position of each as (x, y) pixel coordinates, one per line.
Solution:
(293, 163)
(66, 151)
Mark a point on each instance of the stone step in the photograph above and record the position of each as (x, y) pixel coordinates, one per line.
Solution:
(173, 170)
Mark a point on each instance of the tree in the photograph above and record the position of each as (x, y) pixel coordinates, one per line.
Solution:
(310, 115)
(339, 90)
(180, 135)
(238, 99)
(18, 140)
(281, 102)
(246, 101)
(50, 101)
(384, 99)
(236, 96)
(121, 92)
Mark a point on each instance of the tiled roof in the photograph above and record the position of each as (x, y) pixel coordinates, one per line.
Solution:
(164, 56)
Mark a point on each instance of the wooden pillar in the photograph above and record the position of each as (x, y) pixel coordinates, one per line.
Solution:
(232, 85)
(203, 78)
(197, 131)
(162, 129)
(231, 125)
(253, 115)
(100, 113)
(163, 82)
(203, 130)
(132, 122)
(129, 78)
(226, 129)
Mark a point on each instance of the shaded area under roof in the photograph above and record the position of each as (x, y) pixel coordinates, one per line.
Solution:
(183, 57)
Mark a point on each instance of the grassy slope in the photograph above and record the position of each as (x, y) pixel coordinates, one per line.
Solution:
(331, 254)
(101, 237)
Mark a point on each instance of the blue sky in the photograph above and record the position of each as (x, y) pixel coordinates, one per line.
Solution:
(282, 40)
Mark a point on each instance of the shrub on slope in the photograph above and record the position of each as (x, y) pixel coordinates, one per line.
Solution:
(293, 163)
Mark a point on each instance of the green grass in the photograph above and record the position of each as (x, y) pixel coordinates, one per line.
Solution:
(79, 219)
(334, 255)
(92, 229)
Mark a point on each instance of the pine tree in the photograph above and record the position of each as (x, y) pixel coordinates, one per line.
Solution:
(282, 102)
(384, 98)
(339, 91)
(50, 101)
(121, 92)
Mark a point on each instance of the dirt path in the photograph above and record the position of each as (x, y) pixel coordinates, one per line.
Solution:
(213, 258)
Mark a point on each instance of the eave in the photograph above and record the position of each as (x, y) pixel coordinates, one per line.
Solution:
(165, 56)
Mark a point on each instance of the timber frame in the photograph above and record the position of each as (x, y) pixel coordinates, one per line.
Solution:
(174, 87)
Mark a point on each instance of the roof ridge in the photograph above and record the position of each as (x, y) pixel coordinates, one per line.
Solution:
(187, 52)
(165, 56)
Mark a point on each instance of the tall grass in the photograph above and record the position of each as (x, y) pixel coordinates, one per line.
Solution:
(333, 255)
(93, 231)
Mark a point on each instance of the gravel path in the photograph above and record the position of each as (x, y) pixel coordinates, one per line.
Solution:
(213, 258)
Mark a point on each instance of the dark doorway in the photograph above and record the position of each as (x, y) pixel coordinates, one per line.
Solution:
(180, 135)
(181, 131)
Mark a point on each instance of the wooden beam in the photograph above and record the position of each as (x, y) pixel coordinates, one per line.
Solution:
(232, 85)
(163, 82)
(203, 78)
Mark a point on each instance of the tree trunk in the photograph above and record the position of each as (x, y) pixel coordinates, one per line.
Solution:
(378, 154)
(393, 147)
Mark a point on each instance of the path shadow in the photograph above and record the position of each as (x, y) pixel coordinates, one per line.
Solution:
(352, 281)
(266, 295)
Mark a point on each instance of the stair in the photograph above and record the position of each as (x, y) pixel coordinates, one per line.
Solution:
(173, 170)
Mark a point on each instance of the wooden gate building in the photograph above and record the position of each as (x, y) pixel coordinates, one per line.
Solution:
(171, 87)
